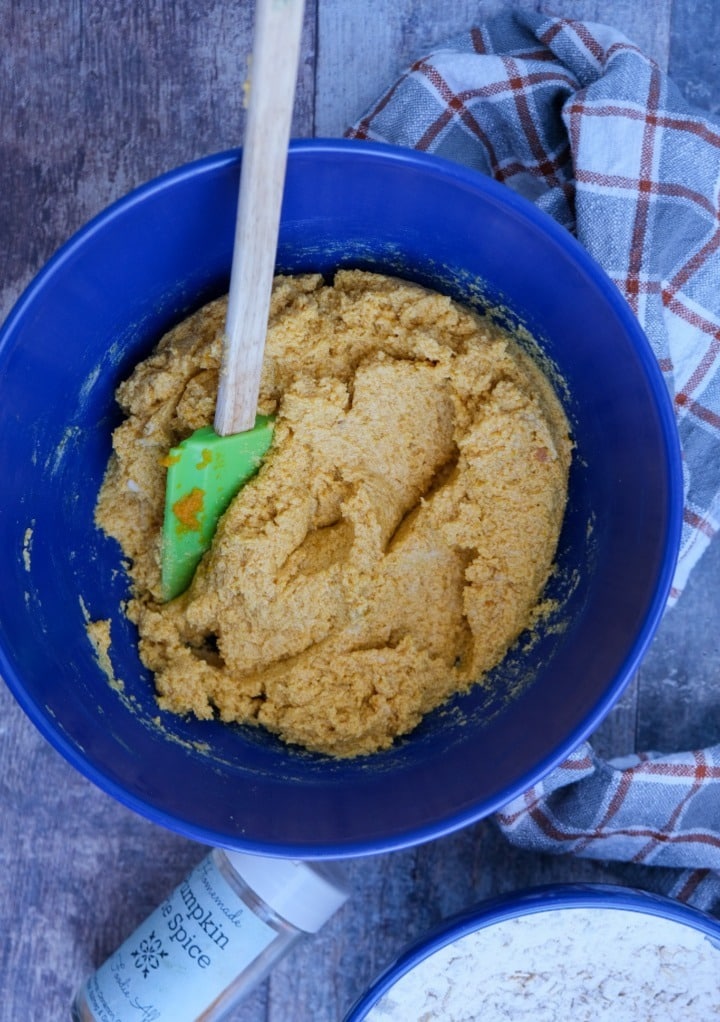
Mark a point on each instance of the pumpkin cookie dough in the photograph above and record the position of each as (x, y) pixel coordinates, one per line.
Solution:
(394, 543)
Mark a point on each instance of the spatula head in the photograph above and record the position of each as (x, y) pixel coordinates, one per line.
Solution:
(204, 473)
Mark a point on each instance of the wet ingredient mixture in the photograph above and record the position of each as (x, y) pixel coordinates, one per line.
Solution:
(397, 538)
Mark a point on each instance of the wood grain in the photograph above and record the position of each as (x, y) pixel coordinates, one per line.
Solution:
(275, 55)
(95, 98)
(679, 692)
(695, 60)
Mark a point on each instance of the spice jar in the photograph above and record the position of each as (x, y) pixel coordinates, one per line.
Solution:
(212, 940)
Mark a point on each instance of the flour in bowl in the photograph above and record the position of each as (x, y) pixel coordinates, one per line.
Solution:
(588, 965)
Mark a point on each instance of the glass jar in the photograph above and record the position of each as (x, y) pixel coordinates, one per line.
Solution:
(212, 940)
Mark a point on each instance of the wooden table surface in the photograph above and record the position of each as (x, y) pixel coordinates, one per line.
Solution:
(97, 97)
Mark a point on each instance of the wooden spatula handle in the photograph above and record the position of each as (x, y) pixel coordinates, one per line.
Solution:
(273, 75)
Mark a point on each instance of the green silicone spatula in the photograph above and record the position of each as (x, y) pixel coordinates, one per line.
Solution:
(207, 469)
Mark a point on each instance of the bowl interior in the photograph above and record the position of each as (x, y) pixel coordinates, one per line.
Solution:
(549, 898)
(105, 300)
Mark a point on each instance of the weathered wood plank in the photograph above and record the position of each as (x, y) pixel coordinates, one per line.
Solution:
(96, 99)
(694, 61)
(363, 48)
(679, 701)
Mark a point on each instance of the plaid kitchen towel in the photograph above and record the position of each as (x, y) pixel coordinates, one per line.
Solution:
(646, 809)
(574, 117)
(578, 120)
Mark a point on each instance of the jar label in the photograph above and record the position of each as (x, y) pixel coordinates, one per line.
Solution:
(183, 956)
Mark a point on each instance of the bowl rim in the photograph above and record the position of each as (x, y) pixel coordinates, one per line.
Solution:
(526, 902)
(466, 178)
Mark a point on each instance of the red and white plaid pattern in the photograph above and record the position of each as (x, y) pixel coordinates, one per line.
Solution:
(646, 809)
(578, 120)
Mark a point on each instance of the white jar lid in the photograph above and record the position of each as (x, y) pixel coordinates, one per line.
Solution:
(305, 894)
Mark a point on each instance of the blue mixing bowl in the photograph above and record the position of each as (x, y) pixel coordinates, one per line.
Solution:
(551, 898)
(100, 305)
